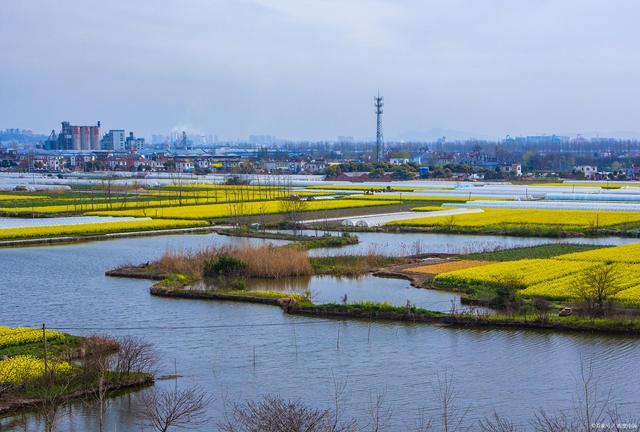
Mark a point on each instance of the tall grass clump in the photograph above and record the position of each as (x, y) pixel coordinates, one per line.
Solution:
(256, 261)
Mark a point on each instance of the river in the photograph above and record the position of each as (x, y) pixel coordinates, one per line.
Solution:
(512, 372)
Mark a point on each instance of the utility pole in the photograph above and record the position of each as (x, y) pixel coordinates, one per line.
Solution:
(44, 342)
(378, 103)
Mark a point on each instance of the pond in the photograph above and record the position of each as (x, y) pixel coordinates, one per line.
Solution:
(213, 343)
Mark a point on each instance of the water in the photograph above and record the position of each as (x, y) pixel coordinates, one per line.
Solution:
(330, 289)
(414, 243)
(513, 372)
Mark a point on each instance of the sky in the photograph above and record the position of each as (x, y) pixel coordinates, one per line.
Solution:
(308, 69)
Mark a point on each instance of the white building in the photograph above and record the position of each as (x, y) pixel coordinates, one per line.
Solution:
(511, 169)
(589, 171)
(113, 140)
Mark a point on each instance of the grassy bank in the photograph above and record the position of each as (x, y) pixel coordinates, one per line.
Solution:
(306, 241)
(385, 312)
(531, 252)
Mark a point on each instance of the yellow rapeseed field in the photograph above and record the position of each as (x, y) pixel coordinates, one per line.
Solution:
(18, 369)
(620, 254)
(212, 211)
(192, 197)
(523, 273)
(95, 228)
(9, 197)
(528, 218)
(627, 279)
(11, 336)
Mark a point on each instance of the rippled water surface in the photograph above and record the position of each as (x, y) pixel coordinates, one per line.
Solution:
(513, 372)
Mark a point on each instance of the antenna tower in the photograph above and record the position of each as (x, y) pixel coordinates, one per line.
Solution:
(378, 103)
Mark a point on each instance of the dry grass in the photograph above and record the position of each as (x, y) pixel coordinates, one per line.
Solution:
(434, 269)
(260, 261)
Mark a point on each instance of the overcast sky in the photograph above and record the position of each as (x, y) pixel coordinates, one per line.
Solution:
(308, 69)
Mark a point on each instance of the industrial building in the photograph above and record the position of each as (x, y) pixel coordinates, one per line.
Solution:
(74, 138)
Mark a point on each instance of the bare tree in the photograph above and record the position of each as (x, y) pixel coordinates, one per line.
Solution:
(274, 414)
(135, 355)
(50, 390)
(175, 408)
(451, 415)
(497, 423)
(379, 413)
(595, 287)
(292, 207)
(98, 360)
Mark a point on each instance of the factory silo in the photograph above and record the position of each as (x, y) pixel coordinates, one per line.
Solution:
(75, 140)
(95, 137)
(85, 138)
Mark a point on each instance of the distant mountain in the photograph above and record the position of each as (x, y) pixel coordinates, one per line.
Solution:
(437, 133)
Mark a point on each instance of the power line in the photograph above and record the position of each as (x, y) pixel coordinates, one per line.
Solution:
(217, 326)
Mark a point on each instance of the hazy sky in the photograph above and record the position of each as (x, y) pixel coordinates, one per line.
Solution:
(309, 69)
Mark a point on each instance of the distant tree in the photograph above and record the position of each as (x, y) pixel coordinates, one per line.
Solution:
(596, 286)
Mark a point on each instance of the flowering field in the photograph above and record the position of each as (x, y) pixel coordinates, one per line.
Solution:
(523, 273)
(10, 197)
(12, 336)
(95, 228)
(627, 279)
(529, 217)
(447, 266)
(163, 198)
(620, 254)
(18, 369)
(212, 211)
(556, 278)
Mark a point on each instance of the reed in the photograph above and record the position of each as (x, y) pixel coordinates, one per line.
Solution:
(259, 261)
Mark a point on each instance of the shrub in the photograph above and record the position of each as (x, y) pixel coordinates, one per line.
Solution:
(224, 266)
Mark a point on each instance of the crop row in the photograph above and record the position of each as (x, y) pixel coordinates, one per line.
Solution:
(95, 228)
(10, 197)
(529, 217)
(211, 211)
(160, 199)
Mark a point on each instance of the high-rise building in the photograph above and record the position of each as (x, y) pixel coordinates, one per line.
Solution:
(134, 144)
(113, 140)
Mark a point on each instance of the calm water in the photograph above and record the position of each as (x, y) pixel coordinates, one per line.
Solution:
(513, 372)
(413, 243)
(329, 289)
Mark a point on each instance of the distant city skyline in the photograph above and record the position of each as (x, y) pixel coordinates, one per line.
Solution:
(308, 70)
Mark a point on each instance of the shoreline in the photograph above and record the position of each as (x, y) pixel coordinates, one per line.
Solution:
(413, 315)
(106, 236)
(11, 407)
